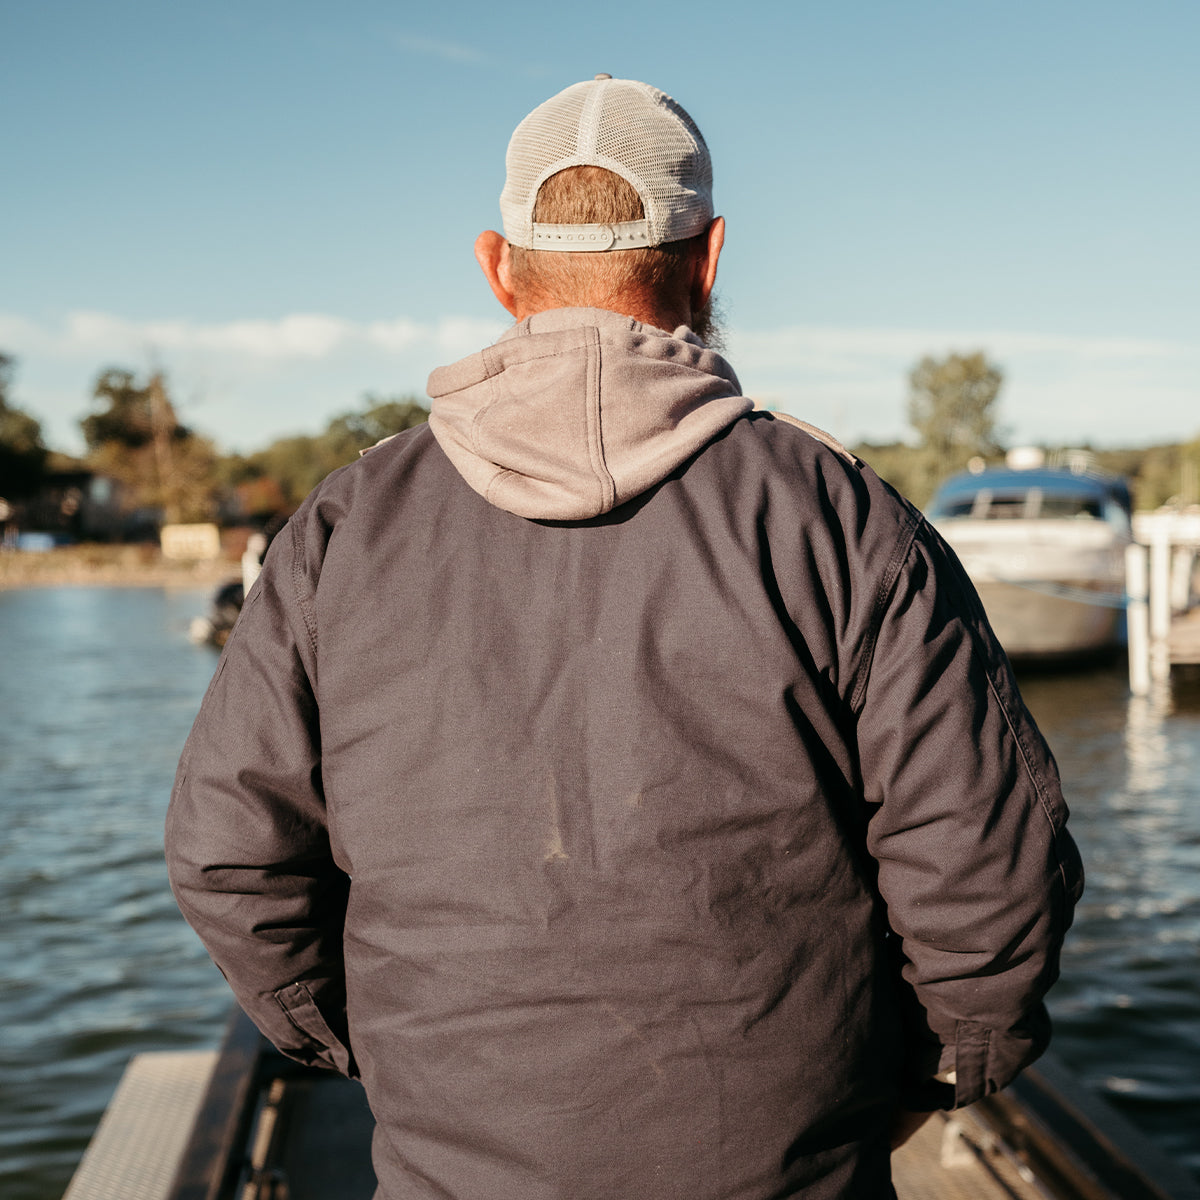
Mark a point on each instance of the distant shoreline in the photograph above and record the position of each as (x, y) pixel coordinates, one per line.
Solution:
(109, 566)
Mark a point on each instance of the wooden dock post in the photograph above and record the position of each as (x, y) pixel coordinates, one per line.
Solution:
(1160, 604)
(1138, 619)
(1183, 567)
(1162, 616)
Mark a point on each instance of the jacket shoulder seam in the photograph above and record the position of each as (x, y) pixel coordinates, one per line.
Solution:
(883, 595)
(302, 602)
(819, 435)
(1034, 777)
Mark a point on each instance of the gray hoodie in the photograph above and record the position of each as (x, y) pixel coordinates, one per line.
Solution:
(575, 411)
(628, 788)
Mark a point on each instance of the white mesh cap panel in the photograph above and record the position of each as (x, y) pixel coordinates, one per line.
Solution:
(627, 127)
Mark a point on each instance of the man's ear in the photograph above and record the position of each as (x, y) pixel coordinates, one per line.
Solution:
(705, 277)
(491, 252)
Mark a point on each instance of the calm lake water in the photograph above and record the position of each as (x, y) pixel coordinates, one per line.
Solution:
(98, 688)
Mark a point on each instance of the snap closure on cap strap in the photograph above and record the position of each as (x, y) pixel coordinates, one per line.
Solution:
(625, 235)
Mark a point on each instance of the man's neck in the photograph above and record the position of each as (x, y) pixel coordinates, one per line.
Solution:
(647, 313)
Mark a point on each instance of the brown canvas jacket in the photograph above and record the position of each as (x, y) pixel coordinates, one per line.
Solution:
(628, 788)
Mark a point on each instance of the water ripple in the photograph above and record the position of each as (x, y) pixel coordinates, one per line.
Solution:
(98, 689)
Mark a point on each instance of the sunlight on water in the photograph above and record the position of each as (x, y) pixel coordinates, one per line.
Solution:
(98, 690)
(1127, 1010)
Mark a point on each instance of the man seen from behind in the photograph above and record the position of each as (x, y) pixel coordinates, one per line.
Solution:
(624, 784)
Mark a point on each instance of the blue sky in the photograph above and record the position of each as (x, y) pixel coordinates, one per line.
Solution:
(276, 202)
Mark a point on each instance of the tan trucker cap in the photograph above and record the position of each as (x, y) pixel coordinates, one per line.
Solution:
(629, 128)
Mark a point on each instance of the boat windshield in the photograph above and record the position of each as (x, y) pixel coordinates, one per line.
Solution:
(987, 504)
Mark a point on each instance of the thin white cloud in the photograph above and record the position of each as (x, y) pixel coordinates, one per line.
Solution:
(1057, 388)
(838, 344)
(18, 331)
(296, 337)
(302, 335)
(436, 48)
(243, 382)
(246, 381)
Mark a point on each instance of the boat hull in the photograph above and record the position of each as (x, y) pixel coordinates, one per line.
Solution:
(1040, 620)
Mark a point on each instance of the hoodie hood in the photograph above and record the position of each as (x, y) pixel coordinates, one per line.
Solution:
(576, 410)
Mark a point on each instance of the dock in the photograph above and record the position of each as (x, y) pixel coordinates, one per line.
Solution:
(1183, 640)
(244, 1123)
(1163, 596)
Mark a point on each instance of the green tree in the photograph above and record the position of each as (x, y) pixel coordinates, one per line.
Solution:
(383, 417)
(897, 463)
(22, 452)
(1166, 474)
(951, 405)
(298, 463)
(137, 438)
(295, 465)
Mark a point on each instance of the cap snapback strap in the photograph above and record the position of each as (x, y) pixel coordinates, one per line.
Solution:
(622, 235)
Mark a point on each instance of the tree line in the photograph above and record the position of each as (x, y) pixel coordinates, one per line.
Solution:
(135, 437)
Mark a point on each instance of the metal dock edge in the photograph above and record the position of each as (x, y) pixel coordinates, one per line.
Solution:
(145, 1130)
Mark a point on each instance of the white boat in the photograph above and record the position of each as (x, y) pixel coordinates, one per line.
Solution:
(1045, 547)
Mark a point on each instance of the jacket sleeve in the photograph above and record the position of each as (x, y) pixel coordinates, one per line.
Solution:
(247, 839)
(975, 866)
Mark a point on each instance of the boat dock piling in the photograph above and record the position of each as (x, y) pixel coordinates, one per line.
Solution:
(1160, 588)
